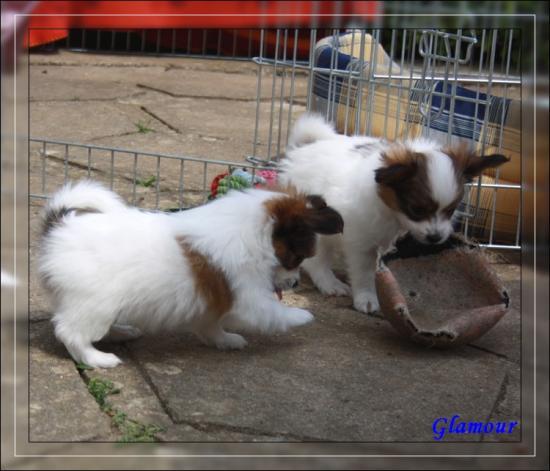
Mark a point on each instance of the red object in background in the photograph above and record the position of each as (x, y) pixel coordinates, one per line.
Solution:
(189, 14)
(215, 183)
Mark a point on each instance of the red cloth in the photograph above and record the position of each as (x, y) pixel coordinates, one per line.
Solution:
(224, 14)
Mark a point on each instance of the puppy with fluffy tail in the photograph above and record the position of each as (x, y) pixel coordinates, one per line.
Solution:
(382, 190)
(116, 269)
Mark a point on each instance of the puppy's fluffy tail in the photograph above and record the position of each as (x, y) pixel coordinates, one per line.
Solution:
(79, 198)
(310, 128)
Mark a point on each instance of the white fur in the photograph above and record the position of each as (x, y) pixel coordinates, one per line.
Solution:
(310, 128)
(85, 194)
(123, 267)
(334, 168)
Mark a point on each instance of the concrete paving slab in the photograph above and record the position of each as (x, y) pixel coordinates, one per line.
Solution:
(347, 377)
(505, 338)
(50, 81)
(138, 400)
(204, 128)
(223, 120)
(185, 83)
(82, 122)
(508, 408)
(39, 303)
(51, 84)
(61, 408)
(216, 117)
(116, 61)
(220, 139)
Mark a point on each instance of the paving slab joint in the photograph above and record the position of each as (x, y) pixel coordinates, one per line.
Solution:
(160, 120)
(501, 395)
(129, 430)
(143, 372)
(491, 352)
(78, 100)
(203, 97)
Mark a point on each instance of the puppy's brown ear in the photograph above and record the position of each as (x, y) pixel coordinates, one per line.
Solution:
(477, 164)
(321, 218)
(395, 173)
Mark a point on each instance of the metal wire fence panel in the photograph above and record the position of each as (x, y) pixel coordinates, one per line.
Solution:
(232, 44)
(144, 179)
(449, 86)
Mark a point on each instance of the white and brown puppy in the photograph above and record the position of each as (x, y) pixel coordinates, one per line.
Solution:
(382, 190)
(113, 267)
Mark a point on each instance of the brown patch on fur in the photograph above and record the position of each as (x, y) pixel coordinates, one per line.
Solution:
(211, 282)
(388, 196)
(292, 239)
(287, 205)
(403, 183)
(398, 153)
(468, 164)
(461, 154)
(297, 220)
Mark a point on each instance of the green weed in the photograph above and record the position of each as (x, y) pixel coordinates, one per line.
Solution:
(143, 128)
(100, 389)
(131, 430)
(147, 182)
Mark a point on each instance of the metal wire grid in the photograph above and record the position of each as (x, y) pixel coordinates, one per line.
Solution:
(426, 57)
(229, 44)
(161, 42)
(421, 59)
(144, 179)
(426, 66)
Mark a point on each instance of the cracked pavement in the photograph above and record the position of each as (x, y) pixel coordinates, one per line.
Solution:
(346, 377)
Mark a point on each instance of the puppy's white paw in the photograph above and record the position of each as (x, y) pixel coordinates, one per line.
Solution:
(333, 287)
(97, 359)
(231, 341)
(297, 316)
(366, 301)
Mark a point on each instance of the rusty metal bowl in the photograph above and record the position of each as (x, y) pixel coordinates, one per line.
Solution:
(440, 296)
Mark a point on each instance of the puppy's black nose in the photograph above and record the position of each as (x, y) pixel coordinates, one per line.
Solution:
(295, 284)
(434, 237)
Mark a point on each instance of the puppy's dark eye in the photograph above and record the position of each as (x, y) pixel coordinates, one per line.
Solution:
(416, 212)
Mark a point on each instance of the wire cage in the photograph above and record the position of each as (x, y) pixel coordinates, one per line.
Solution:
(203, 43)
(400, 84)
(450, 86)
(148, 180)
